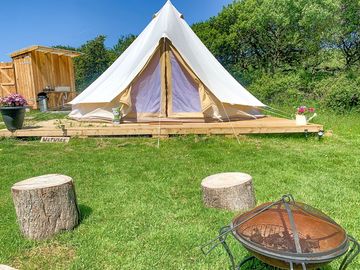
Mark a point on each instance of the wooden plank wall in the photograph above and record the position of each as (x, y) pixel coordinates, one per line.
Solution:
(7, 79)
(53, 70)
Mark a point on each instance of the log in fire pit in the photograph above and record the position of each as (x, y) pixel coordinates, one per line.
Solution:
(287, 235)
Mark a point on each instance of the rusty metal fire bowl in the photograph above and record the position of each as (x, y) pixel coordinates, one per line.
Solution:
(287, 235)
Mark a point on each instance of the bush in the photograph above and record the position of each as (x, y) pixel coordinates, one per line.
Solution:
(279, 88)
(340, 93)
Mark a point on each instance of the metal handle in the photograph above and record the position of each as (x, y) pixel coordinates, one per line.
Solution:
(352, 253)
(208, 251)
(226, 247)
(223, 233)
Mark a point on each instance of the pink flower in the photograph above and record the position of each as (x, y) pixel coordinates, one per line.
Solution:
(304, 110)
(301, 110)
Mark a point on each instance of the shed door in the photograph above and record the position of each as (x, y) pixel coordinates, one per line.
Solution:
(24, 79)
(7, 79)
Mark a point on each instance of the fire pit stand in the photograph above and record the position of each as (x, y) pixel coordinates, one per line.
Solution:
(287, 235)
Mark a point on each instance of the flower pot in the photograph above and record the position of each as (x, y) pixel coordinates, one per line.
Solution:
(117, 116)
(301, 120)
(13, 117)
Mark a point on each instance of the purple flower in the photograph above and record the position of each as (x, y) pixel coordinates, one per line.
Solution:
(13, 100)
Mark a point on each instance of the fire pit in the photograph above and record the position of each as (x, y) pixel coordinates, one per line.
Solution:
(288, 235)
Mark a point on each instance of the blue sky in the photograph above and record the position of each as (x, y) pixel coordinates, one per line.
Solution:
(73, 22)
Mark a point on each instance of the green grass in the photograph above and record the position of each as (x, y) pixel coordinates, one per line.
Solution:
(142, 206)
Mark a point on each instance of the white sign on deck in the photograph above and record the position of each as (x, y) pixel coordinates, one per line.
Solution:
(55, 139)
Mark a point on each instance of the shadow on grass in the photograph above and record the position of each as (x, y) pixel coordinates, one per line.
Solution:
(286, 136)
(251, 263)
(85, 212)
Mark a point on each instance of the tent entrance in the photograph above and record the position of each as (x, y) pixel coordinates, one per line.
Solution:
(166, 88)
(181, 87)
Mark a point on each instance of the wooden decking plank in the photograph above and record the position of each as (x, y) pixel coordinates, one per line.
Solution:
(267, 125)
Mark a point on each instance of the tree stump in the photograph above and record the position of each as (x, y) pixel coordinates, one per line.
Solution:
(6, 267)
(45, 205)
(231, 191)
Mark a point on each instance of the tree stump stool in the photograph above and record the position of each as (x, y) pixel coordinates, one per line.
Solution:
(231, 191)
(45, 205)
(6, 267)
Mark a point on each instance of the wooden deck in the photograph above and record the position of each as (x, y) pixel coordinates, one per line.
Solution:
(69, 128)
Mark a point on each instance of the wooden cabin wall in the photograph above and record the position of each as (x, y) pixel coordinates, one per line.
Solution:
(72, 75)
(52, 70)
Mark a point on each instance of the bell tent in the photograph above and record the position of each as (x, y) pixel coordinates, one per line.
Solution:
(166, 74)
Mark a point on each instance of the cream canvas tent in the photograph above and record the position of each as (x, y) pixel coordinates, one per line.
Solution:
(168, 74)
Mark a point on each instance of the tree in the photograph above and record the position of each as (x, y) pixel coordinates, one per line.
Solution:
(217, 35)
(347, 33)
(65, 47)
(92, 63)
(268, 34)
(123, 43)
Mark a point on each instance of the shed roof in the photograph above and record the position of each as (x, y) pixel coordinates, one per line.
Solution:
(44, 49)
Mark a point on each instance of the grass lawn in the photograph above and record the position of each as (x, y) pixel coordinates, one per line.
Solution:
(142, 206)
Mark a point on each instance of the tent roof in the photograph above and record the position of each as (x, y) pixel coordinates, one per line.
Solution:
(167, 23)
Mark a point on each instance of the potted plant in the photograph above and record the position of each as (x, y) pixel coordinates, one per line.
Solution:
(12, 109)
(117, 112)
(302, 113)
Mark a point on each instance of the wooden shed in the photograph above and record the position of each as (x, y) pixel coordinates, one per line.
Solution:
(37, 69)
